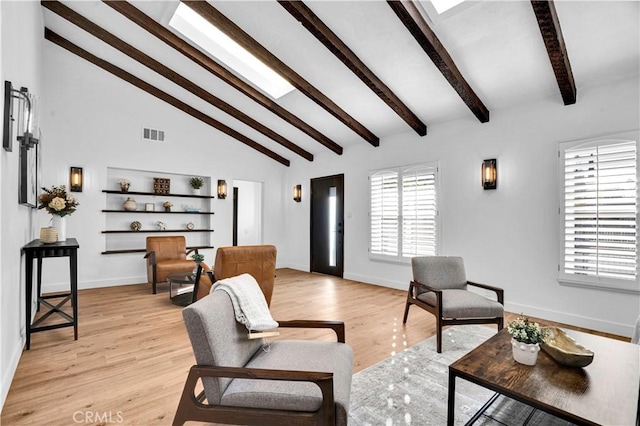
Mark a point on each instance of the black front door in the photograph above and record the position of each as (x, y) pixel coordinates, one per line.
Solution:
(327, 225)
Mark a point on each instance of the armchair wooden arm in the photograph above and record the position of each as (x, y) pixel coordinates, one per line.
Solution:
(192, 408)
(499, 292)
(336, 326)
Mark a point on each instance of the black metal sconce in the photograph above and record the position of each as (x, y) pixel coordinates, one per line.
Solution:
(222, 189)
(490, 174)
(25, 114)
(297, 193)
(75, 179)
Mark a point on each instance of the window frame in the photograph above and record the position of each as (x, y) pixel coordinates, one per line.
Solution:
(401, 172)
(596, 282)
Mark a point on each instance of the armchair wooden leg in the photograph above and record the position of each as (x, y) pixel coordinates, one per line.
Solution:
(406, 311)
(500, 324)
(438, 336)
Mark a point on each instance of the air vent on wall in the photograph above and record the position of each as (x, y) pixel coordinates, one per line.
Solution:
(149, 134)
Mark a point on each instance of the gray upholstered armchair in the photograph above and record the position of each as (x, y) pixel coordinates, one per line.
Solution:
(245, 382)
(440, 287)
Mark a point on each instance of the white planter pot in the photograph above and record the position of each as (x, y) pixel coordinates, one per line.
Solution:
(195, 191)
(525, 353)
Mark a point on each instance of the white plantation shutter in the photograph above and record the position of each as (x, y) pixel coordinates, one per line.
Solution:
(419, 212)
(600, 211)
(403, 215)
(384, 212)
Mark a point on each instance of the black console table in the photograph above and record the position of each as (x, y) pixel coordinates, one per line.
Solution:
(39, 250)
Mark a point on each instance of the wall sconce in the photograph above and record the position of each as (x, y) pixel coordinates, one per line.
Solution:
(297, 193)
(490, 174)
(25, 114)
(75, 179)
(222, 189)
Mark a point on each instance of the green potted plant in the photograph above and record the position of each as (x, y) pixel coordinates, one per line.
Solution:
(196, 183)
(526, 337)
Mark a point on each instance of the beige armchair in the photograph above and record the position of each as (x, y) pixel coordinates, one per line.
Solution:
(166, 255)
(439, 286)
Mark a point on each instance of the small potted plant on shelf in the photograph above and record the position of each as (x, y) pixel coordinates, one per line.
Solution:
(167, 206)
(196, 183)
(124, 184)
(526, 337)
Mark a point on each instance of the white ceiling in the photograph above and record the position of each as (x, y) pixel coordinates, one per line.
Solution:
(496, 45)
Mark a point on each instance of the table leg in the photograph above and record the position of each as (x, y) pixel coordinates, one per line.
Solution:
(73, 269)
(28, 296)
(39, 280)
(451, 399)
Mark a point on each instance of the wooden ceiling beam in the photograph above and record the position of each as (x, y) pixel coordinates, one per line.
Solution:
(152, 90)
(93, 29)
(147, 23)
(549, 25)
(224, 24)
(427, 39)
(331, 41)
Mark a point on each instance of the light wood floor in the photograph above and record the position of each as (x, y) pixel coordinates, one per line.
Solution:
(133, 354)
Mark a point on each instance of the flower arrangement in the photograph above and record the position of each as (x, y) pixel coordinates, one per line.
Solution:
(57, 201)
(167, 204)
(196, 182)
(525, 331)
(197, 257)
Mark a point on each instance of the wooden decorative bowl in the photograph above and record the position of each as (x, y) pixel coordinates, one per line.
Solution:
(566, 351)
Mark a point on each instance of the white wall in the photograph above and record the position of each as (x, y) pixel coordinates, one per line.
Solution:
(508, 237)
(249, 212)
(20, 53)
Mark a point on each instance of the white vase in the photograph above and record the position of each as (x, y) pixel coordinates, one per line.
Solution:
(60, 223)
(130, 204)
(195, 191)
(525, 353)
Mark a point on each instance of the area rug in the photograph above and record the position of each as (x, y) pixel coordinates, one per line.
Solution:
(410, 387)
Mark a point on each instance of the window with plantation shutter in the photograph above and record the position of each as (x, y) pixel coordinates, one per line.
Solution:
(403, 214)
(599, 212)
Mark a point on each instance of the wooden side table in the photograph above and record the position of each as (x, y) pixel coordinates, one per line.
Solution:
(39, 250)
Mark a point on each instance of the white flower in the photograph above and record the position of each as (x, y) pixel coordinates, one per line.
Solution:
(57, 204)
(124, 181)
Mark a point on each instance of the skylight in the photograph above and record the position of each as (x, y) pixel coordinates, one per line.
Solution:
(193, 26)
(442, 6)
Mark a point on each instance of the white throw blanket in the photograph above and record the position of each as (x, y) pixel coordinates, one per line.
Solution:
(249, 304)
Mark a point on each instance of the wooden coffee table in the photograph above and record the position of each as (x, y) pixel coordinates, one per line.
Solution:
(606, 392)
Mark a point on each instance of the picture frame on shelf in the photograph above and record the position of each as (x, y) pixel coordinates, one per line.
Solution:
(149, 207)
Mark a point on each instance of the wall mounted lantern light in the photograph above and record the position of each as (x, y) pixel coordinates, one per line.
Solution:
(297, 193)
(24, 114)
(490, 174)
(222, 189)
(75, 179)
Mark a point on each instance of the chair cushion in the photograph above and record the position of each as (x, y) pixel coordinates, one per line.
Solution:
(167, 267)
(439, 272)
(464, 304)
(322, 356)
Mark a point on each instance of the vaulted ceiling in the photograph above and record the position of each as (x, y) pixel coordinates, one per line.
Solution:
(364, 70)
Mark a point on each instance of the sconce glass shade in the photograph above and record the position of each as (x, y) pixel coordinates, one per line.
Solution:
(75, 179)
(490, 174)
(297, 193)
(222, 189)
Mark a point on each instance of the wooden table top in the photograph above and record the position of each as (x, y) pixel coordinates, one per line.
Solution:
(605, 392)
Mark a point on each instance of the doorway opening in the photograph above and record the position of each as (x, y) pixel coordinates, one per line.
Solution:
(247, 213)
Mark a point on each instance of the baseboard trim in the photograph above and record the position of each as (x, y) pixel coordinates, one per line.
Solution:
(10, 371)
(82, 285)
(589, 323)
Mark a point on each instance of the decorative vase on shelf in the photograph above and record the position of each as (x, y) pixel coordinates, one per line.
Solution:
(525, 353)
(60, 223)
(167, 209)
(130, 204)
(124, 187)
